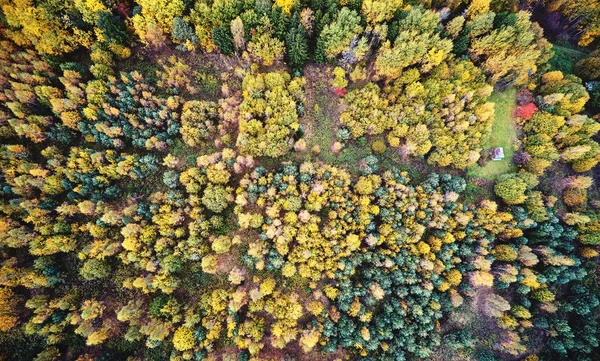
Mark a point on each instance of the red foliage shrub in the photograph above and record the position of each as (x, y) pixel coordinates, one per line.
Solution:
(526, 111)
(340, 92)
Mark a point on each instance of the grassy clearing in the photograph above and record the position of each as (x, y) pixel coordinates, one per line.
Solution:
(503, 134)
(183, 152)
(320, 124)
(565, 58)
(324, 136)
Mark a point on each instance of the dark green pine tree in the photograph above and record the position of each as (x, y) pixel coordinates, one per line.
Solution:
(333, 7)
(320, 56)
(113, 27)
(296, 44)
(321, 19)
(223, 39)
(280, 23)
(318, 5)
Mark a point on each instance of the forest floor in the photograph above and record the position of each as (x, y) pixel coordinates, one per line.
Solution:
(504, 134)
(321, 123)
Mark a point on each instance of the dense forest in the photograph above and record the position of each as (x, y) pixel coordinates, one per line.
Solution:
(277, 180)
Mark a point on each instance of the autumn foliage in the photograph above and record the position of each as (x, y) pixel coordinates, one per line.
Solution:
(258, 180)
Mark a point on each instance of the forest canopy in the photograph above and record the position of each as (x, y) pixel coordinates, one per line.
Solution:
(269, 180)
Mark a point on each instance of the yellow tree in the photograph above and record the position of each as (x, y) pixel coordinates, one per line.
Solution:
(512, 52)
(36, 26)
(156, 18)
(8, 311)
(478, 7)
(285, 5)
(378, 11)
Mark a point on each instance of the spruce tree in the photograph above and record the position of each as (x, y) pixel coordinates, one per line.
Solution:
(223, 39)
(296, 44)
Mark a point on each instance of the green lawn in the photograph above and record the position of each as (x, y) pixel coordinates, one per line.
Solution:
(503, 134)
(565, 58)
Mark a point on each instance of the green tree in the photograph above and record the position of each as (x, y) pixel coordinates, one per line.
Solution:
(223, 39)
(94, 269)
(588, 68)
(511, 52)
(296, 44)
(511, 188)
(418, 42)
(215, 198)
(337, 36)
(183, 32)
(113, 27)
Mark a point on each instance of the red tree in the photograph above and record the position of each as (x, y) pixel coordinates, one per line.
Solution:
(526, 111)
(340, 92)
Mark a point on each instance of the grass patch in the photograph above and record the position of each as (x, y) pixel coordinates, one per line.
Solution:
(147, 67)
(565, 58)
(503, 134)
(351, 155)
(189, 154)
(475, 194)
(210, 83)
(183, 152)
(324, 137)
(148, 185)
